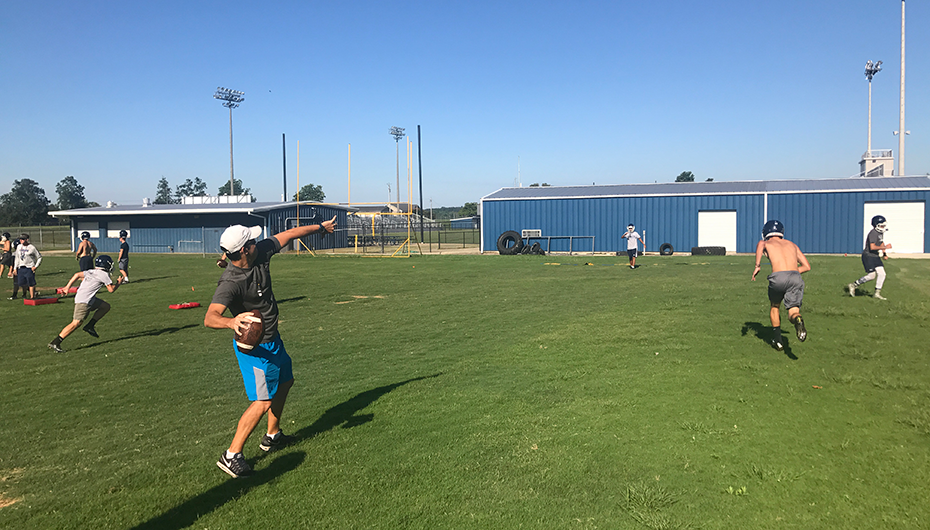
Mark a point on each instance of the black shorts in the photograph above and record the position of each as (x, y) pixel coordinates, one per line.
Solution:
(871, 261)
(7, 259)
(632, 252)
(86, 263)
(25, 277)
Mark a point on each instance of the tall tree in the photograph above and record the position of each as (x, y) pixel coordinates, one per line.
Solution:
(311, 192)
(163, 193)
(25, 204)
(70, 194)
(685, 176)
(195, 188)
(470, 209)
(237, 189)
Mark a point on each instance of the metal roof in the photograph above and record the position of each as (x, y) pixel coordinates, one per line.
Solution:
(714, 188)
(175, 209)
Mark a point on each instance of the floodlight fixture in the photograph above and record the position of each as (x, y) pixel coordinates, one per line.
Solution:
(872, 68)
(231, 99)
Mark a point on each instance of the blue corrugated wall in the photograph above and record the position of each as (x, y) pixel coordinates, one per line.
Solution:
(827, 223)
(158, 233)
(672, 220)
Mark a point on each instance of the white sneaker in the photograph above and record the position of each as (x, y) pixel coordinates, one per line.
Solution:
(852, 289)
(878, 295)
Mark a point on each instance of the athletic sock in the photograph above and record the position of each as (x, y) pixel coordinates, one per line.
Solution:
(57, 341)
(230, 455)
(777, 331)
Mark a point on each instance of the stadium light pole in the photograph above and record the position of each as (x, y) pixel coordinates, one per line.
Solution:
(397, 133)
(870, 71)
(231, 99)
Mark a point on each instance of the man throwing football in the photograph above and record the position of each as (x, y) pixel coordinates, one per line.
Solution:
(266, 369)
(785, 282)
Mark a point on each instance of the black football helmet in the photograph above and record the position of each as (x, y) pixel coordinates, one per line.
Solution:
(123, 233)
(104, 262)
(773, 228)
(6, 236)
(85, 235)
(878, 223)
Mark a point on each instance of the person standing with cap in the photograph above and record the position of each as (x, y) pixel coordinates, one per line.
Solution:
(245, 285)
(28, 260)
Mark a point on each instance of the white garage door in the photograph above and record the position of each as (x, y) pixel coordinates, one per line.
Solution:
(905, 225)
(717, 229)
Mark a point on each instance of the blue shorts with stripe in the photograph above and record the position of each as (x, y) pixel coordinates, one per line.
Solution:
(263, 368)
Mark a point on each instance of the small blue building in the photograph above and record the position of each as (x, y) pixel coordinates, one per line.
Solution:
(464, 223)
(196, 228)
(829, 216)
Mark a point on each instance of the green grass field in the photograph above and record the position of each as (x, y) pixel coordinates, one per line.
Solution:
(479, 392)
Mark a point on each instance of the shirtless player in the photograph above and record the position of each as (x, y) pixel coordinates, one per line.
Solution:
(785, 282)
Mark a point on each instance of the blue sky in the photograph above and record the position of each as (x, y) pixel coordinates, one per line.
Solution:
(119, 94)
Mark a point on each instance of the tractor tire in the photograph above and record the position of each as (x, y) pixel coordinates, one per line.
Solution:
(666, 249)
(708, 251)
(537, 250)
(509, 243)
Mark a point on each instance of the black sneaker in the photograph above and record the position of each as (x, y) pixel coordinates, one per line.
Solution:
(270, 443)
(778, 345)
(800, 329)
(235, 467)
(55, 347)
(91, 331)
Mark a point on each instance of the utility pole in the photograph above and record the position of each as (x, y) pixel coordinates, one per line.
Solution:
(870, 71)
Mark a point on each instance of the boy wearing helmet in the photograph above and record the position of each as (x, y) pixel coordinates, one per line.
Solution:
(86, 252)
(632, 248)
(785, 283)
(872, 259)
(85, 300)
(124, 255)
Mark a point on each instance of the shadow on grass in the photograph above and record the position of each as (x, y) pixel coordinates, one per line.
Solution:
(292, 299)
(345, 414)
(142, 280)
(764, 333)
(187, 513)
(147, 333)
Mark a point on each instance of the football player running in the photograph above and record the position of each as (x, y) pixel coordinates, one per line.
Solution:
(872, 259)
(85, 300)
(785, 283)
(266, 369)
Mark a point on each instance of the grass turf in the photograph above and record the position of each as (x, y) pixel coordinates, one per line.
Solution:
(479, 392)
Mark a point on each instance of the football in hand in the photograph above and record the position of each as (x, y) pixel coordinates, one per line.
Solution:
(251, 336)
(221, 263)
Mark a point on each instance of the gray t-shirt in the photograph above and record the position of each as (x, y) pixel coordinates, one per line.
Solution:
(243, 290)
(94, 280)
(873, 238)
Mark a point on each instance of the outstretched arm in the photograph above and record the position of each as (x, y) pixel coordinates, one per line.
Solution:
(287, 236)
(77, 276)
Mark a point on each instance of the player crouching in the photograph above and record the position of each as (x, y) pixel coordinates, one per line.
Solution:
(85, 300)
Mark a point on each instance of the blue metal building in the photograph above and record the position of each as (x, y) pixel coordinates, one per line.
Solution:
(822, 216)
(196, 228)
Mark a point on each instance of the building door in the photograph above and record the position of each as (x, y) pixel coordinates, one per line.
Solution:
(905, 225)
(717, 229)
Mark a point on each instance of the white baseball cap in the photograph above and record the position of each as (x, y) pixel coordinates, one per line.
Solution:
(235, 237)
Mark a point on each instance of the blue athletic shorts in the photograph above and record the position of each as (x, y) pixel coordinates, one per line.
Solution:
(263, 368)
(25, 277)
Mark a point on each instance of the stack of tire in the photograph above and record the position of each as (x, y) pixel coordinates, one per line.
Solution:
(510, 243)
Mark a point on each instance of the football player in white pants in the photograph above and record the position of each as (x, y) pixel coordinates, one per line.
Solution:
(872, 259)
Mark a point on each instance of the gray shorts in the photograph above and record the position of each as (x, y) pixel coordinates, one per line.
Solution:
(124, 264)
(82, 310)
(787, 286)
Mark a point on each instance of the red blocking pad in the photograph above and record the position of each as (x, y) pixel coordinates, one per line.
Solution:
(61, 290)
(185, 305)
(40, 301)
